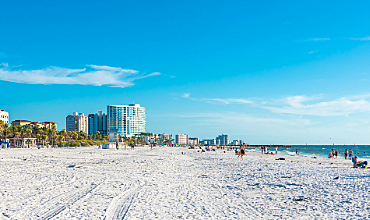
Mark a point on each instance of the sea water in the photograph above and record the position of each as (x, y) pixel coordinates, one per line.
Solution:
(361, 151)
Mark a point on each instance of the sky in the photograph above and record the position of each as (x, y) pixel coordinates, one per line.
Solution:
(266, 72)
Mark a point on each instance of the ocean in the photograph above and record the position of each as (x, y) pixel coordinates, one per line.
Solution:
(361, 151)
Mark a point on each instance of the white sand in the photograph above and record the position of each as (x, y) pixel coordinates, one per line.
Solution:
(164, 184)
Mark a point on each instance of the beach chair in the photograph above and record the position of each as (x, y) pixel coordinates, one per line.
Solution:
(361, 165)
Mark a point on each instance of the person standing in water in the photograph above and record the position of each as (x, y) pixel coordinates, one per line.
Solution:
(350, 154)
(345, 154)
(276, 150)
(296, 152)
(242, 151)
(336, 154)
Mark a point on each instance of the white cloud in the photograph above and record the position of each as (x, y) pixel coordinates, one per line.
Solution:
(223, 101)
(318, 39)
(311, 52)
(361, 38)
(94, 75)
(339, 107)
(234, 119)
(186, 95)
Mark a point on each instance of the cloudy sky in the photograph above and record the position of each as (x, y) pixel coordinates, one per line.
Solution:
(282, 72)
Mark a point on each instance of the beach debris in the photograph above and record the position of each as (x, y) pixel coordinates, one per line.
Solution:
(281, 158)
(336, 177)
(299, 200)
(71, 166)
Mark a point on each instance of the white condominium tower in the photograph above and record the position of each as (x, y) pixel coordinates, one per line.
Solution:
(182, 139)
(77, 122)
(4, 116)
(126, 120)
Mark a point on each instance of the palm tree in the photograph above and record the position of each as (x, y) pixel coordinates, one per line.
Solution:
(4, 130)
(74, 135)
(63, 133)
(97, 134)
(43, 138)
(28, 134)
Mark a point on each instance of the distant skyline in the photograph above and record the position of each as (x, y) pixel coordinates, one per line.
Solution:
(266, 72)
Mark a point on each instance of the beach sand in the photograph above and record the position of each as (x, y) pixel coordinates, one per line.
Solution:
(177, 183)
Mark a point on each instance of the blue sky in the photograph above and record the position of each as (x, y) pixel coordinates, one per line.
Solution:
(283, 72)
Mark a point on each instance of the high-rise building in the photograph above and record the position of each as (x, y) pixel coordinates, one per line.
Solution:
(193, 141)
(4, 116)
(222, 139)
(182, 139)
(125, 120)
(77, 122)
(209, 141)
(166, 136)
(98, 122)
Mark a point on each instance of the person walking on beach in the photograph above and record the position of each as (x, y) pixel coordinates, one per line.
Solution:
(276, 150)
(117, 145)
(262, 149)
(242, 151)
(345, 154)
(350, 154)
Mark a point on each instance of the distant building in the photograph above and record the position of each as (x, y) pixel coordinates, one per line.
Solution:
(21, 122)
(125, 120)
(4, 116)
(166, 136)
(98, 122)
(50, 125)
(208, 142)
(77, 122)
(237, 142)
(193, 141)
(182, 139)
(25, 123)
(222, 139)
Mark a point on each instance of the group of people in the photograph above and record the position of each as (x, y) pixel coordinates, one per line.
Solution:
(333, 154)
(132, 146)
(264, 150)
(348, 154)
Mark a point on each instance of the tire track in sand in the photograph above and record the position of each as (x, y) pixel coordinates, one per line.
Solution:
(119, 206)
(59, 203)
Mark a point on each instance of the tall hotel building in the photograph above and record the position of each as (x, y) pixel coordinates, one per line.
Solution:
(98, 122)
(4, 116)
(77, 122)
(182, 139)
(125, 120)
